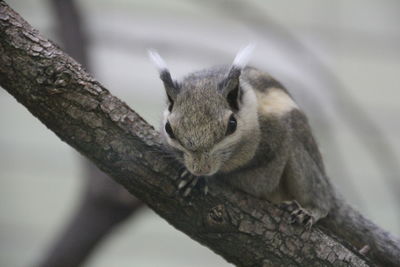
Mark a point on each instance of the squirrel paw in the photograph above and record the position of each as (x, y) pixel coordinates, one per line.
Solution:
(298, 214)
(187, 182)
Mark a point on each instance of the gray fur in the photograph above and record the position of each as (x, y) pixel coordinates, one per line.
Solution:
(272, 155)
(274, 158)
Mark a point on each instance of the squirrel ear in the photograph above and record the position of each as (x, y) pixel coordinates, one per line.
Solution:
(171, 86)
(230, 86)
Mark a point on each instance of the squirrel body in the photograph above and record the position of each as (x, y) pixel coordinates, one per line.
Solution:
(271, 154)
(238, 124)
(287, 164)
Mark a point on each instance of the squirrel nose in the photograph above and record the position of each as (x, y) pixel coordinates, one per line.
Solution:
(201, 171)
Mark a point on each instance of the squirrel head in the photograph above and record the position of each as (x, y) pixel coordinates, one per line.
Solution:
(210, 115)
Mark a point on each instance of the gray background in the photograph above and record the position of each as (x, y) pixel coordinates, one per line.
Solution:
(357, 41)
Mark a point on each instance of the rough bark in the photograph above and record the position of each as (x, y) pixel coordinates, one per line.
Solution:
(244, 230)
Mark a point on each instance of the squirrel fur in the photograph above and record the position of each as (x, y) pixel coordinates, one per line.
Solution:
(238, 124)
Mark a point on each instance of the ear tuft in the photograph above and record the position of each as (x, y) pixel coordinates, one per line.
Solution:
(230, 86)
(171, 86)
(157, 60)
(243, 56)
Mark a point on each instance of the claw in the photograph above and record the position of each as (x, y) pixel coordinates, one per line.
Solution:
(190, 186)
(187, 182)
(309, 223)
(184, 173)
(182, 184)
(298, 214)
(205, 189)
(187, 192)
(290, 205)
(203, 185)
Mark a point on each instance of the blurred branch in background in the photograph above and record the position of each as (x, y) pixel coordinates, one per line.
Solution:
(104, 203)
(71, 29)
(350, 111)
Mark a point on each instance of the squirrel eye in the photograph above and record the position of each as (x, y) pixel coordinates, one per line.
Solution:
(169, 131)
(232, 123)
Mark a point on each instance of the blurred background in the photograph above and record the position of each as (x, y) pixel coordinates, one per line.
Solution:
(340, 60)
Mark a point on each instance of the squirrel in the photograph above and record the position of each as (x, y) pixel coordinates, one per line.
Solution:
(238, 124)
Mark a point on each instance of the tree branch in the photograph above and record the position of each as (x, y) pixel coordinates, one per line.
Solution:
(242, 229)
